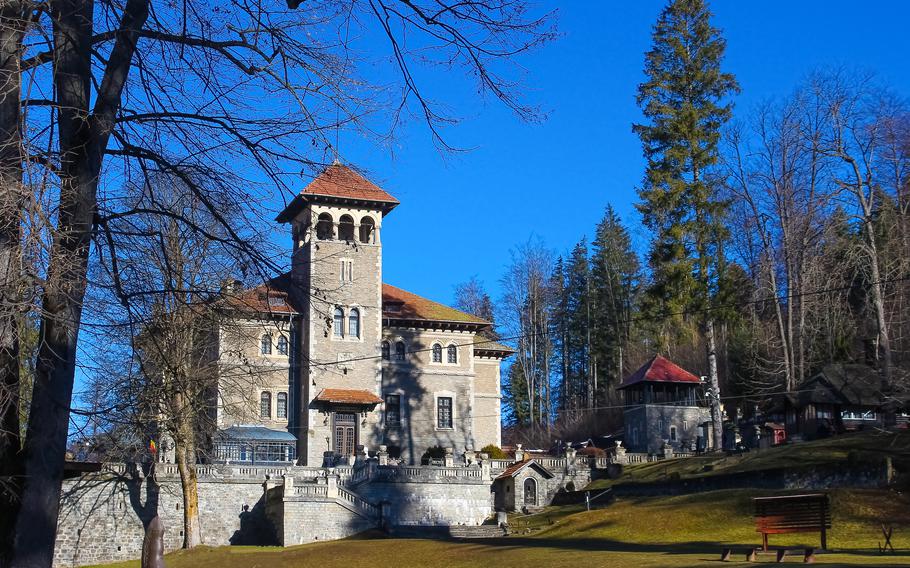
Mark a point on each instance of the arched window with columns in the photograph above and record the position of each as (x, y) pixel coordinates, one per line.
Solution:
(346, 228)
(325, 227)
(367, 230)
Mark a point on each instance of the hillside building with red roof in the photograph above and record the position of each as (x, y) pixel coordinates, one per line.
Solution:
(344, 360)
(664, 407)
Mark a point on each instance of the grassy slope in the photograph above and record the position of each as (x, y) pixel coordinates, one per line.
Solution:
(868, 444)
(668, 531)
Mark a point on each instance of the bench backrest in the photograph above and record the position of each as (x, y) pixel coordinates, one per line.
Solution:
(792, 513)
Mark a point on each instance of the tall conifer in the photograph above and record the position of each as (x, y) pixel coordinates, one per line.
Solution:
(685, 99)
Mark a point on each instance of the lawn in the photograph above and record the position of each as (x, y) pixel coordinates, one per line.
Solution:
(658, 531)
(870, 444)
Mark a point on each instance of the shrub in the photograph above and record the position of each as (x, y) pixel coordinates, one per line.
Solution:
(494, 451)
(433, 453)
(592, 451)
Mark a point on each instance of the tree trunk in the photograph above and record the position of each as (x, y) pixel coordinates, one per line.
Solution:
(714, 380)
(82, 141)
(12, 24)
(186, 464)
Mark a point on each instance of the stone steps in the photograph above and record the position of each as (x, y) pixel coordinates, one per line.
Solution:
(483, 531)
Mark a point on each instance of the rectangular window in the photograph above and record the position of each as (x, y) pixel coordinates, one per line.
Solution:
(282, 409)
(392, 409)
(265, 405)
(672, 433)
(444, 412)
(685, 425)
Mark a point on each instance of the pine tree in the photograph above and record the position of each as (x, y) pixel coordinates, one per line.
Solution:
(685, 100)
(578, 317)
(614, 288)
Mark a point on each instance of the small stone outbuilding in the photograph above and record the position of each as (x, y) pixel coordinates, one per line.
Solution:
(524, 486)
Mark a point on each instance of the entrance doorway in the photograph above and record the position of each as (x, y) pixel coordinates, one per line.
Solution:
(345, 433)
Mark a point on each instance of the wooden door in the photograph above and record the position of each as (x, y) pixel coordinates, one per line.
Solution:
(345, 433)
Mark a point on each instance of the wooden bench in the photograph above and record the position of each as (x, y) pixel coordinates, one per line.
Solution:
(792, 514)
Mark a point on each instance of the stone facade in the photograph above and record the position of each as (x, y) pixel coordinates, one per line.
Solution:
(649, 426)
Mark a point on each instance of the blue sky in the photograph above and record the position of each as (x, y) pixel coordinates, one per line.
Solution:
(461, 214)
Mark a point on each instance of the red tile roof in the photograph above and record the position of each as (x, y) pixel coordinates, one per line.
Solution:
(660, 370)
(516, 467)
(400, 304)
(347, 396)
(339, 182)
(270, 297)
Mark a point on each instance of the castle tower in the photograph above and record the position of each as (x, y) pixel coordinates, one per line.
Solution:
(336, 268)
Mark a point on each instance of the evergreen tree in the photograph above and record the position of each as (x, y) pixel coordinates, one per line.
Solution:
(684, 99)
(614, 287)
(578, 336)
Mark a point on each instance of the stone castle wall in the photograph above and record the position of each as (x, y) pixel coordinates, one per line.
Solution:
(102, 515)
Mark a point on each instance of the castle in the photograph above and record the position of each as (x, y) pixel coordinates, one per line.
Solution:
(342, 359)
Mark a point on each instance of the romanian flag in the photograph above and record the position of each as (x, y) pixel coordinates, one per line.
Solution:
(153, 447)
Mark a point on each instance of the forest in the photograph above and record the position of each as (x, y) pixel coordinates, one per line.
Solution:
(779, 242)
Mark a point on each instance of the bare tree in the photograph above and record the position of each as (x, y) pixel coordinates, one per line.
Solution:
(109, 91)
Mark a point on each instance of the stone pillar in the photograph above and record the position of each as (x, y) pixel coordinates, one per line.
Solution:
(619, 454)
(361, 455)
(449, 460)
(332, 481)
(469, 457)
(667, 450)
(485, 470)
(383, 455)
(519, 453)
(288, 484)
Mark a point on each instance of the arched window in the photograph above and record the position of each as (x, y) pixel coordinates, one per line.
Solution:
(282, 345)
(386, 351)
(399, 351)
(530, 492)
(325, 227)
(354, 323)
(281, 411)
(339, 322)
(346, 228)
(265, 344)
(265, 405)
(367, 226)
(452, 354)
(437, 353)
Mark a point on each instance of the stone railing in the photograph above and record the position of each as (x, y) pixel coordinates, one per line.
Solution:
(310, 490)
(427, 473)
(359, 502)
(205, 472)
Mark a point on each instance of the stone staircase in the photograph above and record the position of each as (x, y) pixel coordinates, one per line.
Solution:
(483, 531)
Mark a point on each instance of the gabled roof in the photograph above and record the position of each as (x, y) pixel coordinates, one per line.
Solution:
(347, 396)
(845, 383)
(339, 183)
(660, 370)
(517, 467)
(398, 304)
